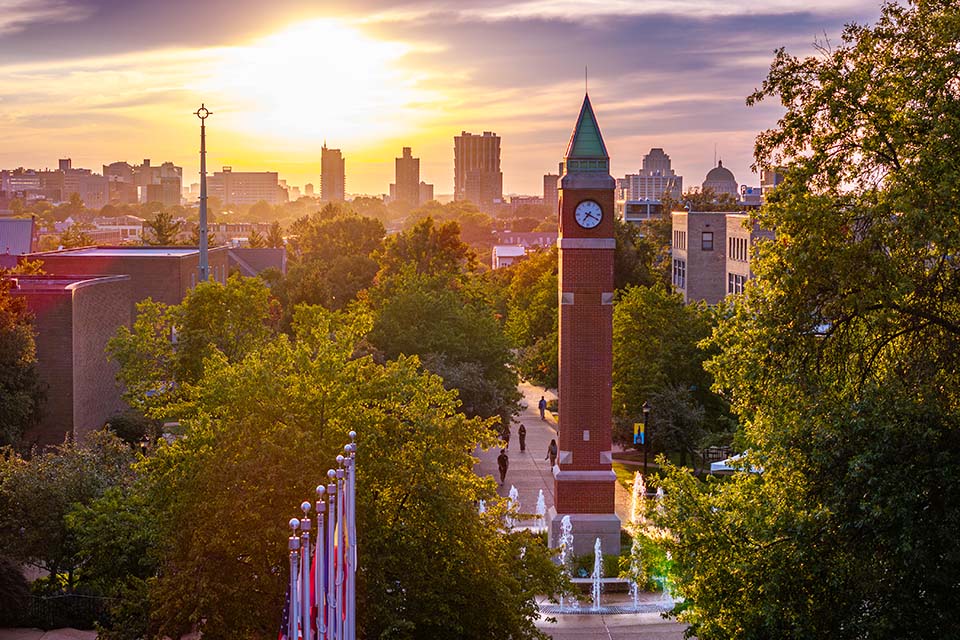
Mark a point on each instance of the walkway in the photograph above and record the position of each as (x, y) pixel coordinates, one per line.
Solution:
(530, 473)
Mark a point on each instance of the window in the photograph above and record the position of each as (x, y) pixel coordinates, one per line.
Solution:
(738, 249)
(735, 283)
(706, 241)
(679, 239)
(680, 274)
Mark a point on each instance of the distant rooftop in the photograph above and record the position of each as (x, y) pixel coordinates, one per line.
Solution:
(42, 283)
(125, 252)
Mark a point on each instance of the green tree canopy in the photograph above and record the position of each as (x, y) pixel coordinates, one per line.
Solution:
(431, 249)
(262, 432)
(21, 392)
(841, 359)
(164, 229)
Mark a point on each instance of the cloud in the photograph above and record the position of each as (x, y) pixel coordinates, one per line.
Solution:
(17, 15)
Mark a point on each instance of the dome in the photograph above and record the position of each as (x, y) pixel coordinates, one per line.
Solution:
(720, 174)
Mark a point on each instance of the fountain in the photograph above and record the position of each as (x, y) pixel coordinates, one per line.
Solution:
(659, 499)
(513, 506)
(635, 570)
(597, 574)
(639, 492)
(482, 509)
(566, 547)
(541, 509)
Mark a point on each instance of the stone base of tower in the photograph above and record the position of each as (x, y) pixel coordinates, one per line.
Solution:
(587, 527)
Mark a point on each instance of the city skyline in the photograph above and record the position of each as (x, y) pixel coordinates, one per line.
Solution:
(415, 73)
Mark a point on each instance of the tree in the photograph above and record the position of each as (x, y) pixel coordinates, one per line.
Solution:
(164, 228)
(642, 253)
(656, 347)
(255, 240)
(452, 326)
(841, 358)
(21, 392)
(531, 311)
(429, 565)
(430, 248)
(37, 494)
(168, 345)
(76, 236)
(275, 236)
(195, 236)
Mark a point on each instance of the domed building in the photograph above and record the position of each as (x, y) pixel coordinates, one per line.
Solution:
(720, 180)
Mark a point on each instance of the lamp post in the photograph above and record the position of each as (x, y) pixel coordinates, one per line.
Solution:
(646, 436)
(203, 113)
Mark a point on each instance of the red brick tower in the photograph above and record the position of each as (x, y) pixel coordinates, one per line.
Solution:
(584, 480)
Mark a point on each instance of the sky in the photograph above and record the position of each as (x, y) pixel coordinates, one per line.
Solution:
(107, 80)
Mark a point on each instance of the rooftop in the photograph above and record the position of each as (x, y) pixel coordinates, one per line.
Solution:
(41, 284)
(124, 252)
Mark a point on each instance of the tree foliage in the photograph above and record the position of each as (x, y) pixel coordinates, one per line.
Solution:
(168, 345)
(431, 249)
(841, 357)
(21, 392)
(37, 494)
(451, 326)
(164, 229)
(261, 433)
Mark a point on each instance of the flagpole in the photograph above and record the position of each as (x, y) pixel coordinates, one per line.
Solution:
(294, 546)
(331, 530)
(342, 548)
(305, 526)
(352, 529)
(319, 598)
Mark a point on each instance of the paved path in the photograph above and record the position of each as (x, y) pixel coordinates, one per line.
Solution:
(530, 474)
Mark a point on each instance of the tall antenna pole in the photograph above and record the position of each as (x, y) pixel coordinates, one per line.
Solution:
(203, 113)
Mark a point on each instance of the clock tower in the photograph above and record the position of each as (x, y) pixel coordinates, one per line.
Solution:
(584, 481)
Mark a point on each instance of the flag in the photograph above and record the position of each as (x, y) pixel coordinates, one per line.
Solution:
(285, 618)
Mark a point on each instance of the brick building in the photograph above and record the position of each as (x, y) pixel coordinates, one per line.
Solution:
(74, 317)
(164, 274)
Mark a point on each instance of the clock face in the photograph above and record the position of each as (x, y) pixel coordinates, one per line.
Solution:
(588, 214)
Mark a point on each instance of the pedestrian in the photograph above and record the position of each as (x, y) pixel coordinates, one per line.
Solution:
(522, 435)
(502, 463)
(543, 408)
(505, 436)
(552, 453)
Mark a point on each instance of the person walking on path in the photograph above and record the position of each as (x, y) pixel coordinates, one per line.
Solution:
(502, 463)
(543, 408)
(522, 436)
(505, 436)
(552, 453)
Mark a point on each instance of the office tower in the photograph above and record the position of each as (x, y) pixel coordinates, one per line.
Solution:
(550, 189)
(476, 169)
(408, 179)
(333, 179)
(246, 187)
(655, 179)
(426, 192)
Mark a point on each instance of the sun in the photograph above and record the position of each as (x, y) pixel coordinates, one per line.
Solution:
(317, 80)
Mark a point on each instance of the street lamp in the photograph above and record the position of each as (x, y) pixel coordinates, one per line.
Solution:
(646, 435)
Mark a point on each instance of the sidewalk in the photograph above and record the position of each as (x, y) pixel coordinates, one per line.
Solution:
(528, 471)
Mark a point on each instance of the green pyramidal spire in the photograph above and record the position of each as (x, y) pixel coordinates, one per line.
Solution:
(586, 141)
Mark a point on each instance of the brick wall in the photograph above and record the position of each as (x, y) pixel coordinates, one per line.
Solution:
(100, 307)
(53, 329)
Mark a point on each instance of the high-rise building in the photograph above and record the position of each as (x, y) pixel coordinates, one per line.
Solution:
(720, 180)
(333, 179)
(476, 169)
(158, 183)
(408, 179)
(584, 482)
(426, 192)
(550, 189)
(246, 187)
(308, 189)
(655, 179)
